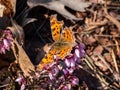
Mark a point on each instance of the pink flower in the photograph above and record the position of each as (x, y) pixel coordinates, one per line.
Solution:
(2, 49)
(64, 87)
(70, 62)
(81, 48)
(8, 34)
(74, 81)
(6, 44)
(5, 41)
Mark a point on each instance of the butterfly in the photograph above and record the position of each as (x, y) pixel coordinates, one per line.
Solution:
(63, 42)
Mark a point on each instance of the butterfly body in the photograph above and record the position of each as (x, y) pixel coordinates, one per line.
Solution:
(60, 44)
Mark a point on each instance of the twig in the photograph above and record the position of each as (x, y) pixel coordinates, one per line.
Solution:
(112, 19)
(4, 85)
(116, 4)
(111, 36)
(97, 73)
(110, 45)
(89, 62)
(117, 46)
(103, 60)
(94, 25)
(86, 70)
(114, 60)
(102, 80)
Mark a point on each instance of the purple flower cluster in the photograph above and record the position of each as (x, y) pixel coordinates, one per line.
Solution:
(5, 41)
(61, 74)
(79, 52)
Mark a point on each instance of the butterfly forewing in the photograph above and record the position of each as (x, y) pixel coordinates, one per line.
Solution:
(67, 35)
(55, 27)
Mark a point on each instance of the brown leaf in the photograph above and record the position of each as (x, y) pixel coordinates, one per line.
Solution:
(101, 65)
(9, 5)
(89, 40)
(104, 41)
(2, 8)
(17, 31)
(108, 57)
(13, 3)
(23, 60)
(59, 6)
(98, 50)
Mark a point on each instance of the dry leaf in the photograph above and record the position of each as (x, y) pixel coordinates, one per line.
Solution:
(101, 65)
(9, 6)
(13, 2)
(59, 6)
(28, 20)
(89, 40)
(98, 50)
(108, 57)
(23, 60)
(2, 8)
(17, 31)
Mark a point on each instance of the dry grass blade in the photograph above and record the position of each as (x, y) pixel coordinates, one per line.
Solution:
(94, 25)
(112, 19)
(103, 82)
(97, 74)
(117, 46)
(59, 6)
(115, 62)
(89, 62)
(103, 60)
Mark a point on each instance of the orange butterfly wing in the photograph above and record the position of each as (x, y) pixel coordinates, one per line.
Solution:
(63, 52)
(55, 30)
(47, 59)
(67, 35)
(67, 39)
(55, 27)
(63, 42)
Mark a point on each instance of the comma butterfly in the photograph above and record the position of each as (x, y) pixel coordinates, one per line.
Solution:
(63, 42)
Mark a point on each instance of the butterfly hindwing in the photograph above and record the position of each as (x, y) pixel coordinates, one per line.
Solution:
(63, 52)
(47, 59)
(67, 35)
